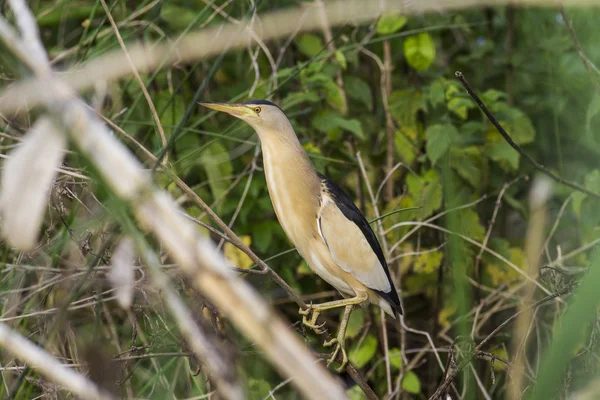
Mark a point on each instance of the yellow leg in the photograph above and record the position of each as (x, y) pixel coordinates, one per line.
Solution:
(317, 308)
(340, 340)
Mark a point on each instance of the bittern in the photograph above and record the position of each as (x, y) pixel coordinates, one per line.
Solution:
(320, 219)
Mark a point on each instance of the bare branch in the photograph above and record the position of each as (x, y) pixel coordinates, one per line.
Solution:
(515, 146)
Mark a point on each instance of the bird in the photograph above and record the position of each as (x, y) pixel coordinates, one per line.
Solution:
(321, 220)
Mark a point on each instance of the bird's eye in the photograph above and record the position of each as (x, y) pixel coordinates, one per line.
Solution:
(257, 110)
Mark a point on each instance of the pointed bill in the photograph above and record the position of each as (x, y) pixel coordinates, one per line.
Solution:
(237, 110)
(27, 179)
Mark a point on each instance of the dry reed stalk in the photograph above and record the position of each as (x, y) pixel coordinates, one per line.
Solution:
(158, 213)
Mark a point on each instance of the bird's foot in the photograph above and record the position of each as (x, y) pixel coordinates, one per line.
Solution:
(339, 346)
(309, 319)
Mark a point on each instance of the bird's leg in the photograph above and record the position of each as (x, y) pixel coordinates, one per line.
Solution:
(340, 340)
(316, 309)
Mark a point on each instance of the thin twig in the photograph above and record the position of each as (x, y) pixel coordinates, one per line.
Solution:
(589, 66)
(515, 146)
(452, 373)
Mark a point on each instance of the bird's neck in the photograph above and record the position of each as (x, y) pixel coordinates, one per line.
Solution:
(294, 186)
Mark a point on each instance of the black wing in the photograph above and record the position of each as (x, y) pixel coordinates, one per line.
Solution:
(350, 211)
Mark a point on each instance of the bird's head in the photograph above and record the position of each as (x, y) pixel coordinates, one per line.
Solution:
(262, 115)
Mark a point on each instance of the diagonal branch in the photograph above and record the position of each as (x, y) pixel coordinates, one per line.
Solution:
(515, 146)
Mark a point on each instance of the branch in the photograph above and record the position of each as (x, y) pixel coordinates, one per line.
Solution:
(48, 366)
(515, 146)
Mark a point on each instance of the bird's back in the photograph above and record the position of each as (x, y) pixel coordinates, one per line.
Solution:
(345, 204)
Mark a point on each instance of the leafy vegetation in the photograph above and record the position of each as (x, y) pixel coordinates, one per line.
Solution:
(448, 196)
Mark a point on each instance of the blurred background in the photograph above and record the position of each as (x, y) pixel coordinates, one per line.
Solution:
(378, 108)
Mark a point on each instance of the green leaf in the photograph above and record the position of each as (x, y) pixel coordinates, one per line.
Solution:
(457, 103)
(426, 192)
(358, 90)
(520, 129)
(592, 111)
(356, 393)
(405, 148)
(262, 234)
(259, 388)
(341, 59)
(295, 98)
(411, 383)
(390, 23)
(492, 96)
(177, 17)
(217, 165)
(309, 45)
(334, 96)
(355, 324)
(468, 224)
(404, 106)
(501, 152)
(395, 357)
(171, 110)
(460, 106)
(437, 91)
(470, 164)
(362, 355)
(428, 261)
(329, 121)
(439, 139)
(419, 51)
(591, 183)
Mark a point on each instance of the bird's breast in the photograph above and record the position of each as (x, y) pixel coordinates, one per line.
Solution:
(294, 188)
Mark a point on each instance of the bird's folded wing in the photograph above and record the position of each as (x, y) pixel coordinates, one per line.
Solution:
(350, 248)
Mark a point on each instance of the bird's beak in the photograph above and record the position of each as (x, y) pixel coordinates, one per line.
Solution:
(237, 110)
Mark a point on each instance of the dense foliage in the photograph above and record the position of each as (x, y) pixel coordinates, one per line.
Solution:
(439, 181)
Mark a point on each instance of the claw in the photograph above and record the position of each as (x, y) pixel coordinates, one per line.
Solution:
(311, 320)
(339, 346)
(302, 311)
